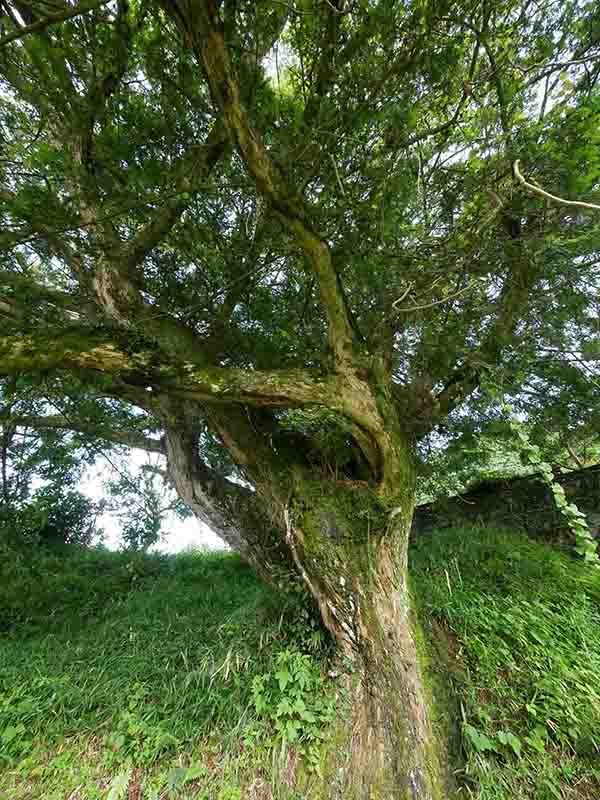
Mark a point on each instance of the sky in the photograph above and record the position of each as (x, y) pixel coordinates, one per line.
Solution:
(179, 534)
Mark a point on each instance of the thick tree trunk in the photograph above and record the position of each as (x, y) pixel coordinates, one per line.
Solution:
(352, 552)
(348, 542)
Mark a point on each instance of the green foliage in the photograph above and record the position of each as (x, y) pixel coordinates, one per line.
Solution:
(114, 665)
(394, 125)
(54, 514)
(454, 467)
(586, 546)
(184, 682)
(291, 705)
(39, 500)
(524, 629)
(140, 501)
(135, 735)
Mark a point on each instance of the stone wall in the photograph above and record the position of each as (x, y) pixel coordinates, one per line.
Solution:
(520, 503)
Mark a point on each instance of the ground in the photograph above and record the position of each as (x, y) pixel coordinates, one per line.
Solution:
(184, 678)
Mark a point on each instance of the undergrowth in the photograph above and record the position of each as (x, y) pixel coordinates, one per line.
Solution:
(162, 673)
(184, 678)
(522, 623)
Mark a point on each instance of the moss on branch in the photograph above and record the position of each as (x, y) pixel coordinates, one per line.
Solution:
(91, 350)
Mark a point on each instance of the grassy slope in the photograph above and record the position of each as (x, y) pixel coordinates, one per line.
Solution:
(522, 624)
(134, 679)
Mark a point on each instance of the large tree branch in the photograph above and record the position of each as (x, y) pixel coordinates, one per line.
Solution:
(60, 422)
(69, 12)
(203, 31)
(149, 366)
(153, 369)
(199, 489)
(501, 334)
(103, 87)
(235, 513)
(117, 298)
(28, 288)
(542, 193)
(325, 67)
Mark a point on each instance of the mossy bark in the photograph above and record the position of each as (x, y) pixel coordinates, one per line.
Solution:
(340, 521)
(350, 545)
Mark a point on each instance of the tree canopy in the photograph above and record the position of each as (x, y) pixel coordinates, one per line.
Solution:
(368, 204)
(291, 244)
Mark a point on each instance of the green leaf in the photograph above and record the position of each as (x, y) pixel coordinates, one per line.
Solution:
(283, 677)
(508, 738)
(291, 728)
(195, 772)
(283, 707)
(479, 740)
(299, 705)
(118, 786)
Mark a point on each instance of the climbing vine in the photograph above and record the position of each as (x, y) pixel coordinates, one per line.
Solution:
(531, 454)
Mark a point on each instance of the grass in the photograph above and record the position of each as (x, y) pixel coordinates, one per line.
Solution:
(135, 667)
(522, 624)
(160, 677)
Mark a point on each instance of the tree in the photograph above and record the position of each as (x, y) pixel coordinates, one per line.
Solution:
(294, 238)
(39, 473)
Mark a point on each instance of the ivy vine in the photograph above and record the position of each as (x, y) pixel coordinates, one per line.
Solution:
(530, 453)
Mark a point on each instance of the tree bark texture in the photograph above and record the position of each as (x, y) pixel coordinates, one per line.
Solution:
(328, 501)
(351, 550)
(347, 541)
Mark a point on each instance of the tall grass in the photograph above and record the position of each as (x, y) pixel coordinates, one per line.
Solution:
(523, 624)
(144, 677)
(114, 662)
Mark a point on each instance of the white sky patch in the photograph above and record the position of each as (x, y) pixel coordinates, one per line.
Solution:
(178, 534)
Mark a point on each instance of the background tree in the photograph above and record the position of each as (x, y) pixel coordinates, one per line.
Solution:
(292, 237)
(40, 470)
(47, 454)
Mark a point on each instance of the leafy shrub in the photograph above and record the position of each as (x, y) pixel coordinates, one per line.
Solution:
(292, 704)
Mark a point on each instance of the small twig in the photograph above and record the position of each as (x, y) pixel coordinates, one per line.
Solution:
(334, 10)
(437, 302)
(554, 64)
(547, 195)
(337, 175)
(404, 294)
(574, 455)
